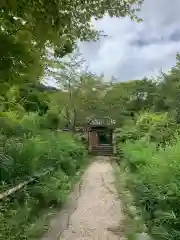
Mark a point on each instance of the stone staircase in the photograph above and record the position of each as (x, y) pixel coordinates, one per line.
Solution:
(102, 150)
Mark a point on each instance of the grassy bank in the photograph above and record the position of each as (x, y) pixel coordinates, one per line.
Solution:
(153, 178)
(133, 222)
(149, 158)
(56, 160)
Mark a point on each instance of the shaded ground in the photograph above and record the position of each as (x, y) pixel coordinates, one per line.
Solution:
(93, 210)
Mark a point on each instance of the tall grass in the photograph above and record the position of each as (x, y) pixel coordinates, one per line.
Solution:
(154, 180)
(28, 153)
(21, 158)
(150, 150)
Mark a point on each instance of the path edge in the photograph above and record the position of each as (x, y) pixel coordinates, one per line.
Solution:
(134, 226)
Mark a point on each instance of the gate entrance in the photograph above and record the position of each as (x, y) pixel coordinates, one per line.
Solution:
(100, 135)
(100, 140)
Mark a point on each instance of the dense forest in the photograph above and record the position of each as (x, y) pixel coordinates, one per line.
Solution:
(37, 42)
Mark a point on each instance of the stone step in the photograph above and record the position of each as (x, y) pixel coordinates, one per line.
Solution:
(102, 150)
(102, 153)
(103, 146)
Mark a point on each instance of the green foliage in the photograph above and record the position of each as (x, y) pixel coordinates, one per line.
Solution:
(31, 114)
(25, 215)
(28, 148)
(9, 125)
(81, 93)
(28, 29)
(154, 182)
(33, 98)
(149, 148)
(153, 127)
(49, 149)
(55, 159)
(84, 94)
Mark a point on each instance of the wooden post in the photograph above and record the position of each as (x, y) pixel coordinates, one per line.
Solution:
(114, 142)
(89, 141)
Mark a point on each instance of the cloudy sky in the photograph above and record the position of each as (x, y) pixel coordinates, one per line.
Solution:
(134, 50)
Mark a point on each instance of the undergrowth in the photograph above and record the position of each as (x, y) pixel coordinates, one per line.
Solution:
(54, 159)
(153, 179)
(133, 221)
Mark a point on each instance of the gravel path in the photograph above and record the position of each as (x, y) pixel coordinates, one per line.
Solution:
(93, 210)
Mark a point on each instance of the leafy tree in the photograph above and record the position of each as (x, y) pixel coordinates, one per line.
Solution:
(125, 99)
(28, 28)
(34, 97)
(81, 92)
(167, 93)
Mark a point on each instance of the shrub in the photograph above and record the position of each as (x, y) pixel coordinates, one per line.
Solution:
(154, 127)
(154, 180)
(61, 155)
(27, 157)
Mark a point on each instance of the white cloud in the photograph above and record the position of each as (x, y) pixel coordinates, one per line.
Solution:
(133, 50)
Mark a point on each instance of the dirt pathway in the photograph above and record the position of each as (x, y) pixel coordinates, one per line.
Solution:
(93, 210)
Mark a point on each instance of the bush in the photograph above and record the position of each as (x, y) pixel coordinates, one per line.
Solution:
(21, 213)
(154, 180)
(60, 155)
(11, 128)
(26, 157)
(154, 127)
